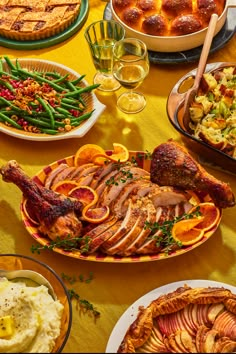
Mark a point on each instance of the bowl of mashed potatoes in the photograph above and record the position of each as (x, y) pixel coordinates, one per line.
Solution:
(31, 319)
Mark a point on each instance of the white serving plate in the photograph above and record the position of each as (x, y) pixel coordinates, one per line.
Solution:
(131, 313)
(91, 100)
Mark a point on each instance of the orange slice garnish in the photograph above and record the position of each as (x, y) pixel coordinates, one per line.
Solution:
(85, 194)
(64, 187)
(186, 232)
(87, 153)
(211, 215)
(96, 215)
(28, 212)
(119, 153)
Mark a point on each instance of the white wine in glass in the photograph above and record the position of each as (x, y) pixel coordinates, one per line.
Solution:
(101, 36)
(130, 67)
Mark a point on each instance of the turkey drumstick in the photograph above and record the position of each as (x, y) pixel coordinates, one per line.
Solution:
(172, 165)
(57, 214)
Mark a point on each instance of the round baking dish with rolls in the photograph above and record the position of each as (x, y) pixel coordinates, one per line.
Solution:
(169, 25)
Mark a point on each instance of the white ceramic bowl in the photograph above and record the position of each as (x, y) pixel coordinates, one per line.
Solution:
(174, 43)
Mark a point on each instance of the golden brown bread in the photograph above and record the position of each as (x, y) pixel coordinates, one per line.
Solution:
(185, 320)
(167, 17)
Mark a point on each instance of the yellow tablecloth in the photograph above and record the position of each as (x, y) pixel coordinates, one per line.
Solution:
(115, 286)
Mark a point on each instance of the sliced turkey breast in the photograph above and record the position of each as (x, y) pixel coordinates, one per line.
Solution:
(144, 233)
(64, 174)
(126, 225)
(126, 176)
(50, 177)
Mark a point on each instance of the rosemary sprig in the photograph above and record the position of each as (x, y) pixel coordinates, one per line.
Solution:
(84, 304)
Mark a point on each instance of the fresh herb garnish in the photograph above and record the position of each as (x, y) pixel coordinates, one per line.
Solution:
(125, 175)
(165, 239)
(67, 244)
(84, 304)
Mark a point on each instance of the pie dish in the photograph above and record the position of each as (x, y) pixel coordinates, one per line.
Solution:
(98, 256)
(33, 20)
(198, 288)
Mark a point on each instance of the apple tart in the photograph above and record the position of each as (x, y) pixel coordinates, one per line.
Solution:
(36, 19)
(187, 320)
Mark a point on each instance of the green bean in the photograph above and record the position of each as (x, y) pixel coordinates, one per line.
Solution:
(10, 121)
(76, 81)
(39, 78)
(81, 90)
(61, 79)
(9, 75)
(63, 111)
(81, 118)
(70, 86)
(9, 63)
(37, 122)
(70, 106)
(49, 131)
(69, 100)
(45, 119)
(8, 103)
(18, 66)
(52, 74)
(48, 110)
(7, 84)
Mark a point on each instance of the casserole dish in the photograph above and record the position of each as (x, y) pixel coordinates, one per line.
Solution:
(175, 104)
(174, 43)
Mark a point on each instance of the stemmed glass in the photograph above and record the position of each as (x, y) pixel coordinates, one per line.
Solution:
(130, 67)
(101, 36)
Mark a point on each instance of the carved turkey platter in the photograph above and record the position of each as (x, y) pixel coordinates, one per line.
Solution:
(142, 215)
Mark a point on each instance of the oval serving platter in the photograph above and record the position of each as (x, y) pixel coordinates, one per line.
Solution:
(91, 101)
(144, 163)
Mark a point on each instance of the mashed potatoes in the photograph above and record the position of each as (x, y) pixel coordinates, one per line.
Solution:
(30, 318)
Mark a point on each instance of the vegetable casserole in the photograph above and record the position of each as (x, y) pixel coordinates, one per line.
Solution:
(213, 111)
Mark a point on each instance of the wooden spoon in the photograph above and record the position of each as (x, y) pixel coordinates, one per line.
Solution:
(191, 93)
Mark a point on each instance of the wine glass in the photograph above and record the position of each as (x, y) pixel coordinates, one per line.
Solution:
(101, 36)
(130, 67)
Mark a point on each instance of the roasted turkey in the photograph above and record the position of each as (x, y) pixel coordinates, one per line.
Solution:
(172, 165)
(137, 200)
(58, 215)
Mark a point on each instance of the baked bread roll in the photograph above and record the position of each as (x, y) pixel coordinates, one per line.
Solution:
(167, 17)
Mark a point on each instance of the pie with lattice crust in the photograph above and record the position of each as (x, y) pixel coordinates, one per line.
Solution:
(36, 19)
(188, 320)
